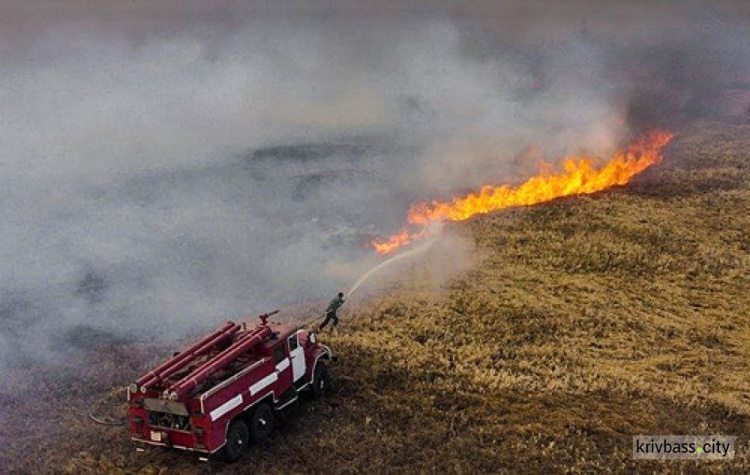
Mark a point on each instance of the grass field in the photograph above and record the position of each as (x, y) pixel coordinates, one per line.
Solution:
(583, 322)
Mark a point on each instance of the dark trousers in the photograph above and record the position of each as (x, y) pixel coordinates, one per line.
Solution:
(329, 316)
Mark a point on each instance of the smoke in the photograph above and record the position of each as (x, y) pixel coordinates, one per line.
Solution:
(168, 165)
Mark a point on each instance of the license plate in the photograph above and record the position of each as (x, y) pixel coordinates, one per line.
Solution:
(155, 436)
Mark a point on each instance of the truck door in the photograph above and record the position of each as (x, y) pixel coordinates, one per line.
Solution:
(297, 354)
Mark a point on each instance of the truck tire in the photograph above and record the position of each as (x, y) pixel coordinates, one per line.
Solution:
(321, 381)
(238, 437)
(261, 423)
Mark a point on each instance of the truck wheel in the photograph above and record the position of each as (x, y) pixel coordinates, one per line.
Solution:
(238, 437)
(261, 423)
(321, 381)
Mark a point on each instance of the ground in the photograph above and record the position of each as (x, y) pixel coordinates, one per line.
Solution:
(582, 322)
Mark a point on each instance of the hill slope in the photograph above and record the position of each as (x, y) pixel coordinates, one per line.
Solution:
(584, 322)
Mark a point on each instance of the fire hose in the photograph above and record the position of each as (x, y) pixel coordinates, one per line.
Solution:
(104, 420)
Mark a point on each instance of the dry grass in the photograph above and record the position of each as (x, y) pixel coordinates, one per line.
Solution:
(588, 320)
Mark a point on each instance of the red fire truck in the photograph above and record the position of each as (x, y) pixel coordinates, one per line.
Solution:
(221, 393)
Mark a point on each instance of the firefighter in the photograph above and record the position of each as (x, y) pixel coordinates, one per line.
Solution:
(333, 307)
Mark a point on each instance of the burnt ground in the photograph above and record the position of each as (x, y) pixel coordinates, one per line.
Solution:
(584, 322)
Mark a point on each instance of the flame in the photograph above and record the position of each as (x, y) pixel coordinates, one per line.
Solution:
(579, 177)
(394, 242)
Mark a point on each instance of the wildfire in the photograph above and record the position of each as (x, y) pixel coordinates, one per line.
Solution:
(578, 178)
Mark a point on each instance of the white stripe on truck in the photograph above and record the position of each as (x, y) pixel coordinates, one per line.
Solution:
(226, 407)
(284, 364)
(263, 383)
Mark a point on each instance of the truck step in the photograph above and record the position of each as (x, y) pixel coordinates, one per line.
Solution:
(288, 397)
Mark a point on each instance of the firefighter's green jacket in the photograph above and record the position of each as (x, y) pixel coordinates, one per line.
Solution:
(334, 304)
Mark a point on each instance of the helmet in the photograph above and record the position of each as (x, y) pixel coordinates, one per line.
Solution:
(341, 294)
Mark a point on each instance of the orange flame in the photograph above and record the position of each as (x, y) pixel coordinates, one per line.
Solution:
(397, 240)
(579, 177)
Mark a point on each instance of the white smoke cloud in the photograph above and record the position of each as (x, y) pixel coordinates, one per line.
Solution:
(164, 167)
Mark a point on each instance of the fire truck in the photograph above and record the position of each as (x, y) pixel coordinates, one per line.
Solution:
(221, 393)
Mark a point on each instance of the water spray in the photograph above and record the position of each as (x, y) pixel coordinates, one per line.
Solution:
(422, 247)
